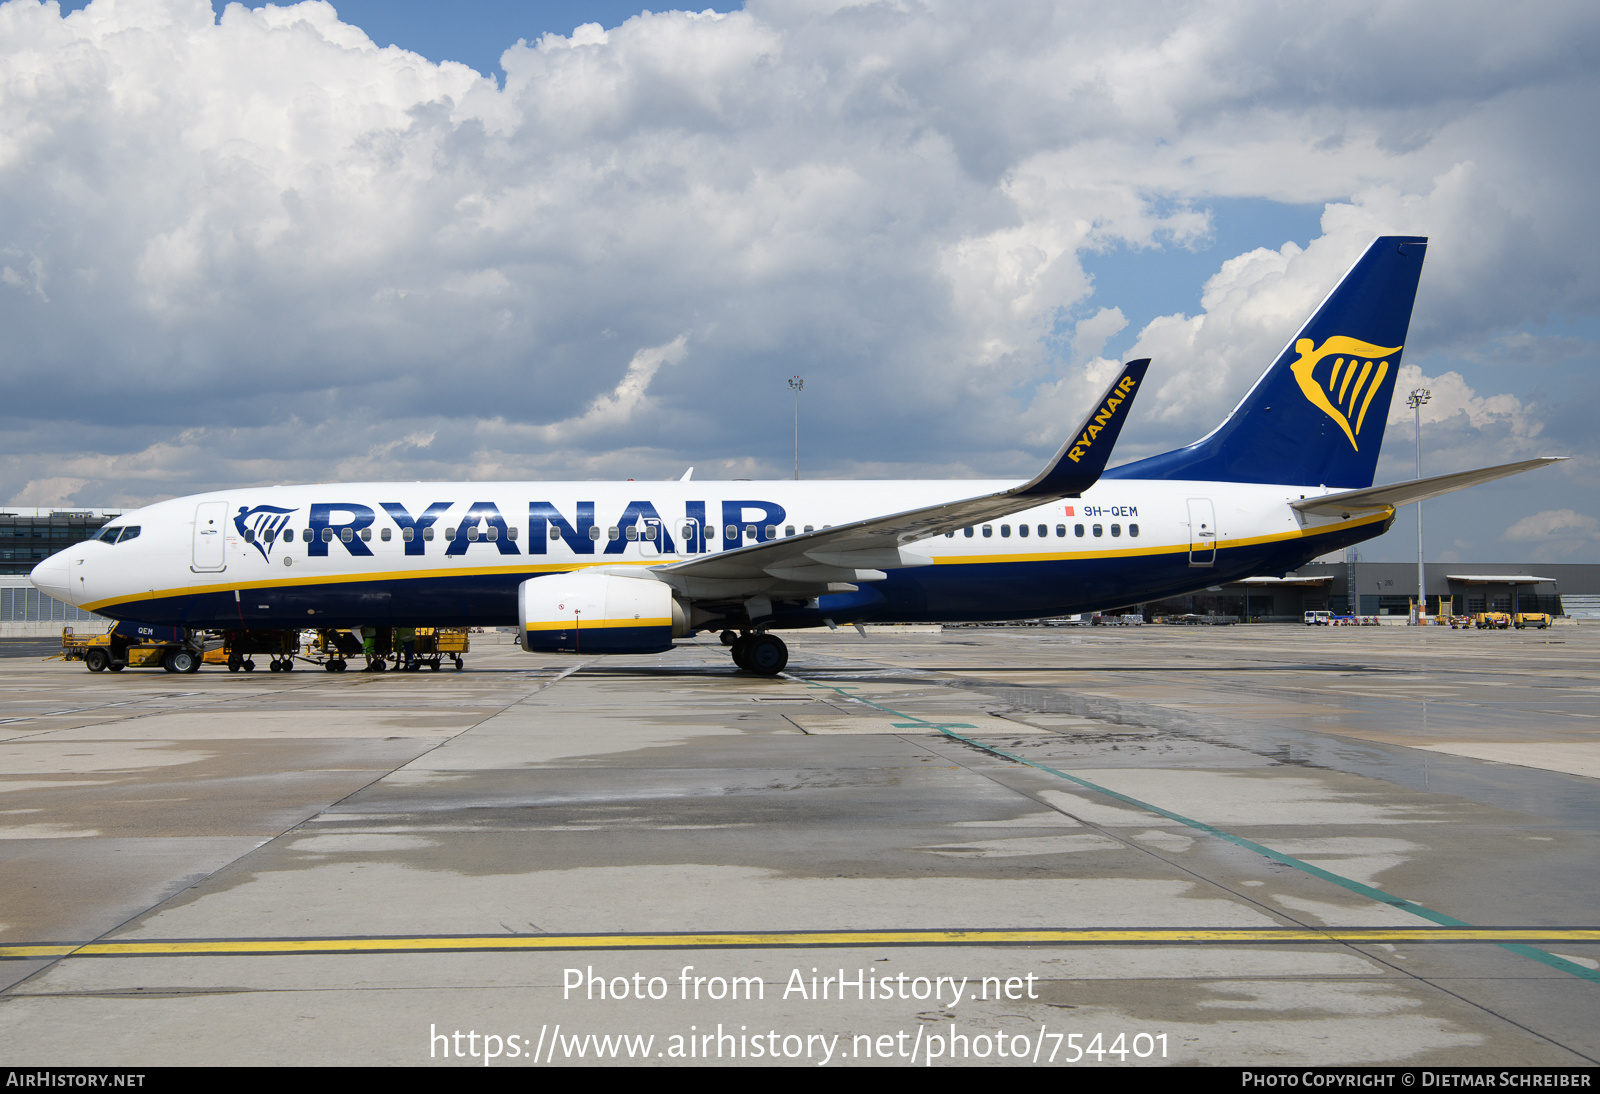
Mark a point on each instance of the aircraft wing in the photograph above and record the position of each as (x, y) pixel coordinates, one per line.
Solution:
(1404, 493)
(859, 551)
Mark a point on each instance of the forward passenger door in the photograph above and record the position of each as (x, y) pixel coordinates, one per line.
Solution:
(210, 538)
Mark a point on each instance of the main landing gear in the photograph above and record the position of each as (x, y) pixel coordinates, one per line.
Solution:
(762, 654)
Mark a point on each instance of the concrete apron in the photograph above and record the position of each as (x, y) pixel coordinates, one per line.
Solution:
(362, 842)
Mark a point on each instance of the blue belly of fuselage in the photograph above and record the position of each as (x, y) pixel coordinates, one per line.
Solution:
(948, 593)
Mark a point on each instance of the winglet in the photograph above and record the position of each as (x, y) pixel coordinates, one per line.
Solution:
(1079, 463)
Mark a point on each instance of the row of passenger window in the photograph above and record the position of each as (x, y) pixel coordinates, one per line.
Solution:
(1043, 530)
(491, 534)
(347, 535)
(687, 532)
(631, 533)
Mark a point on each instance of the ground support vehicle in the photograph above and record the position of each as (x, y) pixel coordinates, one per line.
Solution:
(1530, 619)
(141, 645)
(1492, 621)
(239, 648)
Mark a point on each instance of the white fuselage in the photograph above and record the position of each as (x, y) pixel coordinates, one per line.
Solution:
(415, 553)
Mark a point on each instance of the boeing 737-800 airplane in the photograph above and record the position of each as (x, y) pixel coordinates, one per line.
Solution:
(628, 567)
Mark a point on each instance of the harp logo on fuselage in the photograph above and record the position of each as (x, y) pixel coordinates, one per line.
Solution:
(259, 527)
(1353, 379)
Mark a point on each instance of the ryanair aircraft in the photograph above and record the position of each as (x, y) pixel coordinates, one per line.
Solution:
(628, 567)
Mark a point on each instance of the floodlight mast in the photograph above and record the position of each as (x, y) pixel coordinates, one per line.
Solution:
(1415, 400)
(796, 385)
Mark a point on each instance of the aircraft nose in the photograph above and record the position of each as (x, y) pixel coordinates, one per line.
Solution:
(50, 577)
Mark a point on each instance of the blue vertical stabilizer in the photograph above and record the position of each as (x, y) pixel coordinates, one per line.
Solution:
(1316, 417)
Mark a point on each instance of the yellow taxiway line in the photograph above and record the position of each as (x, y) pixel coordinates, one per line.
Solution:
(797, 939)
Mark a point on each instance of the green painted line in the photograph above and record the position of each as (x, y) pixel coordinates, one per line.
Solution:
(1411, 906)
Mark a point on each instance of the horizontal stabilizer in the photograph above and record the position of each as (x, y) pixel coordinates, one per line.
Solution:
(1404, 493)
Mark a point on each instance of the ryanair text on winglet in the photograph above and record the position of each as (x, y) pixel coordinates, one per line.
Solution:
(1118, 396)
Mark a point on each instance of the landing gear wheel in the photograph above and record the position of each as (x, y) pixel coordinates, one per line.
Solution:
(729, 637)
(740, 645)
(766, 655)
(97, 660)
(195, 661)
(180, 661)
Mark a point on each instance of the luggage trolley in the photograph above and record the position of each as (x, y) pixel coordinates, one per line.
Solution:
(433, 644)
(239, 649)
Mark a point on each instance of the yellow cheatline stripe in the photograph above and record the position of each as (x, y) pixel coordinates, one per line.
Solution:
(798, 939)
(344, 579)
(568, 567)
(595, 624)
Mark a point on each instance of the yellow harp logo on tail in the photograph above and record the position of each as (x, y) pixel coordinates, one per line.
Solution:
(1352, 380)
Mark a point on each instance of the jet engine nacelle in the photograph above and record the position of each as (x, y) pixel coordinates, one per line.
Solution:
(598, 613)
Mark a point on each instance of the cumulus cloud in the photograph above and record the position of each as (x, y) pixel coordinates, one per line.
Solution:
(1554, 524)
(1554, 533)
(257, 247)
(44, 492)
(1448, 396)
(616, 408)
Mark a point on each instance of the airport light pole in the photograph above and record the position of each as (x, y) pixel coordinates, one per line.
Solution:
(796, 385)
(1414, 401)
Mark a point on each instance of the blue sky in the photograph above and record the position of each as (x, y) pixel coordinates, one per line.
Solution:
(243, 246)
(474, 32)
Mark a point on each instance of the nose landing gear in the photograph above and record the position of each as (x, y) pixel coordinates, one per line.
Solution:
(762, 654)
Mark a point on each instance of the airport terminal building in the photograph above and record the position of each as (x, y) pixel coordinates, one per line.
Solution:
(1390, 588)
(27, 538)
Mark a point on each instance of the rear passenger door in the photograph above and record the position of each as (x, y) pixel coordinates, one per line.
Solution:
(1202, 532)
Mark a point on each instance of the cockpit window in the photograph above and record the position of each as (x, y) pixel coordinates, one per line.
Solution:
(118, 533)
(130, 532)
